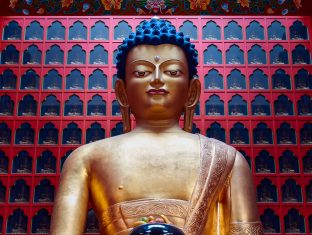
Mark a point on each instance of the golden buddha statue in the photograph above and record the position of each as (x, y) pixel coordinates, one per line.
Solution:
(198, 184)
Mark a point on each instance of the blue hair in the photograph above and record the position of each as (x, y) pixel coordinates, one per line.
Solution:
(156, 32)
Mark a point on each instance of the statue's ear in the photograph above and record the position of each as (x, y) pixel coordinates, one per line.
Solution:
(193, 94)
(120, 91)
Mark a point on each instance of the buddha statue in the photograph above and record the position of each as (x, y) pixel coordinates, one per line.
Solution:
(157, 169)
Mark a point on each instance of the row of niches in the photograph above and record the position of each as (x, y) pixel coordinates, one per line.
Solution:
(71, 134)
(210, 31)
(97, 106)
(98, 55)
(264, 162)
(213, 80)
(17, 222)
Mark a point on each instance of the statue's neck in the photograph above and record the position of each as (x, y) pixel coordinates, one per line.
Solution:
(157, 126)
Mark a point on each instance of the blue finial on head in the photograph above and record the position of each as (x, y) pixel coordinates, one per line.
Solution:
(155, 32)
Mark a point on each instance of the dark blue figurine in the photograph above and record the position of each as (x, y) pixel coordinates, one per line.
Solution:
(156, 229)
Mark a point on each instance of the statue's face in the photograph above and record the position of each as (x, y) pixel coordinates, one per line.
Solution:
(157, 81)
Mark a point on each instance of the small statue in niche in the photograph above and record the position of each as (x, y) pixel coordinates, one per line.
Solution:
(34, 58)
(51, 111)
(265, 194)
(263, 166)
(47, 166)
(75, 84)
(6, 108)
(213, 111)
(258, 84)
(46, 193)
(76, 59)
(55, 59)
(2, 194)
(24, 165)
(92, 225)
(213, 85)
(302, 83)
(29, 109)
(96, 110)
(74, 110)
(288, 194)
(235, 84)
(281, 109)
(233, 59)
(26, 137)
(3, 165)
(21, 193)
(261, 138)
(73, 137)
(259, 111)
(309, 192)
(30, 83)
(20, 224)
(299, 59)
(287, 165)
(210, 59)
(285, 137)
(8, 83)
(237, 137)
(78, 35)
(279, 84)
(11, 58)
(236, 111)
(4, 136)
(95, 135)
(97, 84)
(53, 84)
(268, 224)
(44, 225)
(307, 164)
(293, 224)
(306, 137)
(255, 59)
(14, 35)
(57, 34)
(50, 138)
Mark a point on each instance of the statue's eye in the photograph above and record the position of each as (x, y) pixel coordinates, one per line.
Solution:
(141, 74)
(173, 73)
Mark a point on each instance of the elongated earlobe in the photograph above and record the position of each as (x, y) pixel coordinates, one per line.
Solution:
(122, 99)
(192, 100)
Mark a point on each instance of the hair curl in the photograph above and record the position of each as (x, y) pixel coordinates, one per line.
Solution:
(156, 32)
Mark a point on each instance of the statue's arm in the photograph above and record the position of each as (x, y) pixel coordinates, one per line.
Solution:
(244, 217)
(71, 204)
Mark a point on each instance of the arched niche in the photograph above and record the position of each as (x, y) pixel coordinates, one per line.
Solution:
(255, 31)
(41, 222)
(286, 134)
(92, 224)
(17, 222)
(2, 195)
(301, 55)
(115, 108)
(48, 134)
(236, 80)
(308, 190)
(195, 129)
(50, 106)
(211, 31)
(4, 163)
(10, 55)
(276, 31)
(97, 80)
(44, 192)
(291, 191)
(12, 31)
(234, 55)
(114, 79)
(256, 55)
(237, 106)
(75, 80)
(294, 222)
(233, 31)
(54, 55)
(298, 31)
(279, 55)
(270, 221)
(19, 192)
(306, 134)
(95, 133)
(117, 130)
(122, 30)
(72, 134)
(52, 80)
(34, 31)
(260, 106)
(216, 131)
(6, 105)
(266, 191)
(22, 163)
(258, 80)
(73, 106)
(262, 134)
(214, 106)
(99, 31)
(27, 106)
(25, 134)
(96, 106)
(46, 163)
(212, 55)
(5, 134)
(63, 159)
(307, 162)
(239, 134)
(56, 31)
(281, 80)
(30, 80)
(8, 80)
(288, 163)
(189, 29)
(264, 163)
(283, 106)
(32, 55)
(76, 55)
(115, 56)
(98, 55)
(213, 80)
(78, 31)
(303, 80)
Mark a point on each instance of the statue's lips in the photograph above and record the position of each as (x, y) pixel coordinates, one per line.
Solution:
(157, 92)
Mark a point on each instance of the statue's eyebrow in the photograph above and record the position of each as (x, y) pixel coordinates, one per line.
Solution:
(164, 62)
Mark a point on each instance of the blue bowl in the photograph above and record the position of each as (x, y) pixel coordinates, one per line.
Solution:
(156, 229)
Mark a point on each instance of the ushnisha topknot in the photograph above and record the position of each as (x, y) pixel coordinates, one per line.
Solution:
(156, 32)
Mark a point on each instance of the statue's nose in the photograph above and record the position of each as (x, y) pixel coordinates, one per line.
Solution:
(157, 78)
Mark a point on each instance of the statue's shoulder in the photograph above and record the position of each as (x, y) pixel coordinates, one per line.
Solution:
(220, 148)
